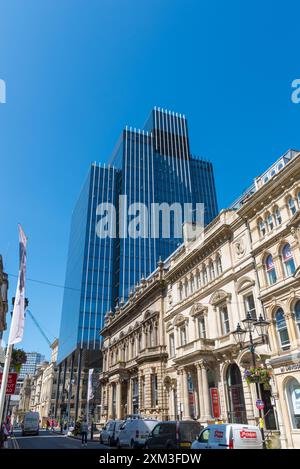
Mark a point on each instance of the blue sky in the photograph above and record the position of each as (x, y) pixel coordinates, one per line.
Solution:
(77, 72)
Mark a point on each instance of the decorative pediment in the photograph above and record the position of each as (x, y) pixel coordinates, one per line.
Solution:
(147, 314)
(244, 283)
(169, 326)
(219, 296)
(197, 309)
(179, 319)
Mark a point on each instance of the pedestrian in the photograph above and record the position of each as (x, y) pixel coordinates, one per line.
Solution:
(4, 435)
(84, 431)
(47, 424)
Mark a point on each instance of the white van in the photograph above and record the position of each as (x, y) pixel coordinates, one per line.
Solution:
(110, 432)
(229, 436)
(31, 423)
(134, 432)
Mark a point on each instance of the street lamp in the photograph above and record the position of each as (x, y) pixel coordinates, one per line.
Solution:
(261, 327)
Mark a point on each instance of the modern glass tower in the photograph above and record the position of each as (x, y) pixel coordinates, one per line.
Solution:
(149, 166)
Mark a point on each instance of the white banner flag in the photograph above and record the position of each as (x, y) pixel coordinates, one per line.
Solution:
(17, 322)
(90, 393)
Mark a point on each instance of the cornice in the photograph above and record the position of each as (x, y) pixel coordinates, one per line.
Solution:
(272, 189)
(189, 261)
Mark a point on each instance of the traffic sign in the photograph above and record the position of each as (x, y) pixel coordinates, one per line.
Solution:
(260, 404)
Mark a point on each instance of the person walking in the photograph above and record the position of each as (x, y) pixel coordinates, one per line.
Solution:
(84, 431)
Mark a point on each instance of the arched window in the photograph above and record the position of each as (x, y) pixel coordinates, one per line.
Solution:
(204, 273)
(192, 282)
(293, 399)
(186, 288)
(235, 392)
(262, 227)
(180, 291)
(288, 260)
(212, 270)
(292, 206)
(270, 222)
(282, 330)
(277, 216)
(219, 265)
(297, 315)
(270, 270)
(198, 281)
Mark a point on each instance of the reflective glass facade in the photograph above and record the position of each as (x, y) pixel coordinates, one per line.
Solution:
(148, 166)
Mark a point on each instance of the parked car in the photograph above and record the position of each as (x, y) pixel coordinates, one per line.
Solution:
(134, 432)
(229, 436)
(31, 423)
(173, 434)
(110, 432)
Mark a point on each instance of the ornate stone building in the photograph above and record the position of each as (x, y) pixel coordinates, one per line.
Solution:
(39, 390)
(134, 354)
(273, 215)
(170, 352)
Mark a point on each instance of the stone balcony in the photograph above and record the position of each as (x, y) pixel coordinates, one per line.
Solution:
(152, 353)
(191, 348)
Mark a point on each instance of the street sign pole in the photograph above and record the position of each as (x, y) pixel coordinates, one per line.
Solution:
(5, 378)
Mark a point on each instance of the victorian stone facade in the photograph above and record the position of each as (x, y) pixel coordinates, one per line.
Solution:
(38, 391)
(135, 355)
(170, 351)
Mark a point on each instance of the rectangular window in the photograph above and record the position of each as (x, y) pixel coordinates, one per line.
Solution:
(225, 320)
(154, 393)
(201, 328)
(183, 338)
(172, 345)
(250, 305)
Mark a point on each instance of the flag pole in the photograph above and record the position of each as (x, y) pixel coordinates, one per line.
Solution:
(17, 322)
(5, 378)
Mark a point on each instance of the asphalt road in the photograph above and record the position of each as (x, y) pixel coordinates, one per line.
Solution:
(49, 440)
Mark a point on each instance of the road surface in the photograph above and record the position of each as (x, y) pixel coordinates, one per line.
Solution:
(49, 440)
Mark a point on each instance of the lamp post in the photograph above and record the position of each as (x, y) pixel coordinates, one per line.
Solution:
(261, 327)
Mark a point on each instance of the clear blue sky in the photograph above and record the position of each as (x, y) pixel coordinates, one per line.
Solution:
(77, 71)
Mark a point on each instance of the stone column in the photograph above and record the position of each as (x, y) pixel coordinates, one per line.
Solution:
(110, 400)
(196, 396)
(206, 398)
(129, 397)
(185, 392)
(200, 391)
(118, 400)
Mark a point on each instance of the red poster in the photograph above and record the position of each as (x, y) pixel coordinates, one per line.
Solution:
(215, 403)
(11, 382)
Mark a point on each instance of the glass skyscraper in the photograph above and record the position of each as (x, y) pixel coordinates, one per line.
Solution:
(149, 166)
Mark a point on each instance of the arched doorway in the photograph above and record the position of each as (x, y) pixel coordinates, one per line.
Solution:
(235, 393)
